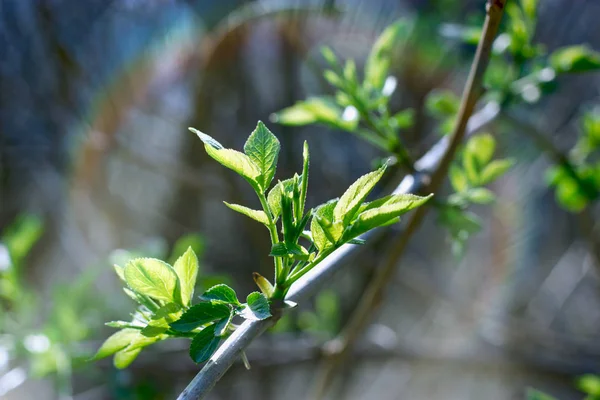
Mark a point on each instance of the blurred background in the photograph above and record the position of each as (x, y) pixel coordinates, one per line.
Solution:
(97, 166)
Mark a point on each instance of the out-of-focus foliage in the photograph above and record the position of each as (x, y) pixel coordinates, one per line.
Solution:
(472, 170)
(588, 384)
(360, 105)
(578, 183)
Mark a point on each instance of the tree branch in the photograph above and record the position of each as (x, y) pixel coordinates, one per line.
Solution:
(231, 349)
(372, 295)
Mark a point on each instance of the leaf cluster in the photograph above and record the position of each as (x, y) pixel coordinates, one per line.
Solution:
(359, 106)
(296, 250)
(470, 172)
(578, 183)
(164, 294)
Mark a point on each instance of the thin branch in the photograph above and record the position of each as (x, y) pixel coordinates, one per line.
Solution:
(231, 349)
(372, 295)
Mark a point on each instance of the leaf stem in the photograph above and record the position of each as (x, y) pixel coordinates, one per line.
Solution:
(273, 233)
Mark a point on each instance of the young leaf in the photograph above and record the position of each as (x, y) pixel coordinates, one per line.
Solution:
(143, 300)
(304, 178)
(573, 59)
(494, 170)
(378, 63)
(200, 314)
(263, 283)
(480, 195)
(222, 293)
(119, 271)
(274, 196)
(481, 147)
(186, 268)
(140, 340)
(116, 342)
(232, 159)
(351, 200)
(125, 357)
(258, 307)
(257, 215)
(222, 325)
(320, 237)
(153, 278)
(263, 149)
(155, 328)
(204, 344)
(167, 311)
(458, 179)
(384, 211)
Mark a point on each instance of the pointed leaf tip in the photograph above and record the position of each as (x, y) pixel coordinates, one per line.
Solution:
(206, 139)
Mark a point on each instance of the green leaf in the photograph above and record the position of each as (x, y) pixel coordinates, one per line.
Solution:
(480, 195)
(580, 58)
(258, 307)
(119, 271)
(222, 293)
(403, 119)
(125, 357)
(20, 237)
(232, 159)
(494, 170)
(153, 278)
(481, 147)
(263, 149)
(320, 238)
(116, 342)
(442, 103)
(222, 325)
(274, 196)
(200, 314)
(329, 56)
(379, 60)
(193, 240)
(312, 110)
(186, 268)
(124, 324)
(529, 8)
(169, 310)
(352, 199)
(384, 211)
(257, 215)
(458, 179)
(263, 283)
(204, 344)
(304, 178)
(143, 300)
(155, 328)
(589, 384)
(140, 340)
(533, 394)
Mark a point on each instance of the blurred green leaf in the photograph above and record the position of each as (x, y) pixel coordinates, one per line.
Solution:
(442, 103)
(494, 170)
(458, 179)
(480, 195)
(533, 394)
(572, 59)
(20, 237)
(379, 60)
(589, 384)
(116, 342)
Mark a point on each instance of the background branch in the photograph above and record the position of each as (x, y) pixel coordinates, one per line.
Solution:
(371, 298)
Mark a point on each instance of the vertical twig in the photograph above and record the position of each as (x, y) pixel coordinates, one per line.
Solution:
(372, 295)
